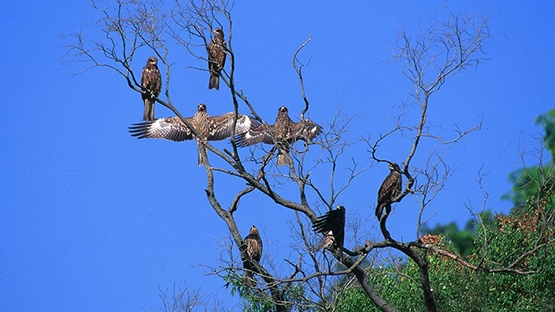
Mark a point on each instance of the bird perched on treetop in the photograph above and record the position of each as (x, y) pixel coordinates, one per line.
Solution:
(151, 81)
(332, 225)
(390, 188)
(253, 245)
(216, 58)
(210, 128)
(283, 133)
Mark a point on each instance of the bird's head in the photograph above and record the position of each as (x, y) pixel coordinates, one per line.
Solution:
(201, 107)
(394, 167)
(218, 32)
(253, 230)
(282, 115)
(152, 60)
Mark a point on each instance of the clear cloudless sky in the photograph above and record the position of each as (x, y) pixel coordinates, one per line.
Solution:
(92, 219)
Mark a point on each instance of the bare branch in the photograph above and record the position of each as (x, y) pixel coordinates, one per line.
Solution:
(298, 66)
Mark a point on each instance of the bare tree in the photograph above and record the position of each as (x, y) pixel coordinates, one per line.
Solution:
(428, 61)
(188, 300)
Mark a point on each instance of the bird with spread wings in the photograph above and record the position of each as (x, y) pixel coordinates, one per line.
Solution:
(209, 128)
(216, 58)
(332, 225)
(253, 245)
(283, 133)
(390, 188)
(151, 81)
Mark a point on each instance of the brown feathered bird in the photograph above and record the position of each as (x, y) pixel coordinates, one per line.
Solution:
(211, 128)
(216, 58)
(390, 188)
(283, 132)
(151, 81)
(332, 225)
(253, 245)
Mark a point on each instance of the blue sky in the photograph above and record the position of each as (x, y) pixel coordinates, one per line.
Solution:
(93, 219)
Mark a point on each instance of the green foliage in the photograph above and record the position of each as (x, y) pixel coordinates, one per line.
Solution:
(457, 288)
(534, 183)
(509, 238)
(255, 299)
(547, 121)
(462, 239)
(390, 285)
(354, 300)
(398, 283)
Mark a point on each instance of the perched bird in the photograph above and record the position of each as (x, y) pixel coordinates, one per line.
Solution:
(210, 128)
(283, 132)
(151, 81)
(332, 225)
(390, 188)
(216, 58)
(253, 245)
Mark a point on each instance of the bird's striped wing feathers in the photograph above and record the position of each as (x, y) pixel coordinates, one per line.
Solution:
(259, 134)
(220, 127)
(305, 130)
(171, 128)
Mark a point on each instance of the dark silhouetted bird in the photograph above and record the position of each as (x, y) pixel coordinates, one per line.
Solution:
(151, 80)
(253, 245)
(216, 58)
(390, 188)
(332, 225)
(283, 132)
(210, 128)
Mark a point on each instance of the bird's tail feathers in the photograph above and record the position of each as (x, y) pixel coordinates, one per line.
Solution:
(283, 159)
(149, 109)
(379, 211)
(249, 278)
(202, 154)
(214, 82)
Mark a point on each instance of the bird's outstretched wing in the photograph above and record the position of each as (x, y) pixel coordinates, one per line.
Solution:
(171, 128)
(305, 130)
(220, 127)
(259, 134)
